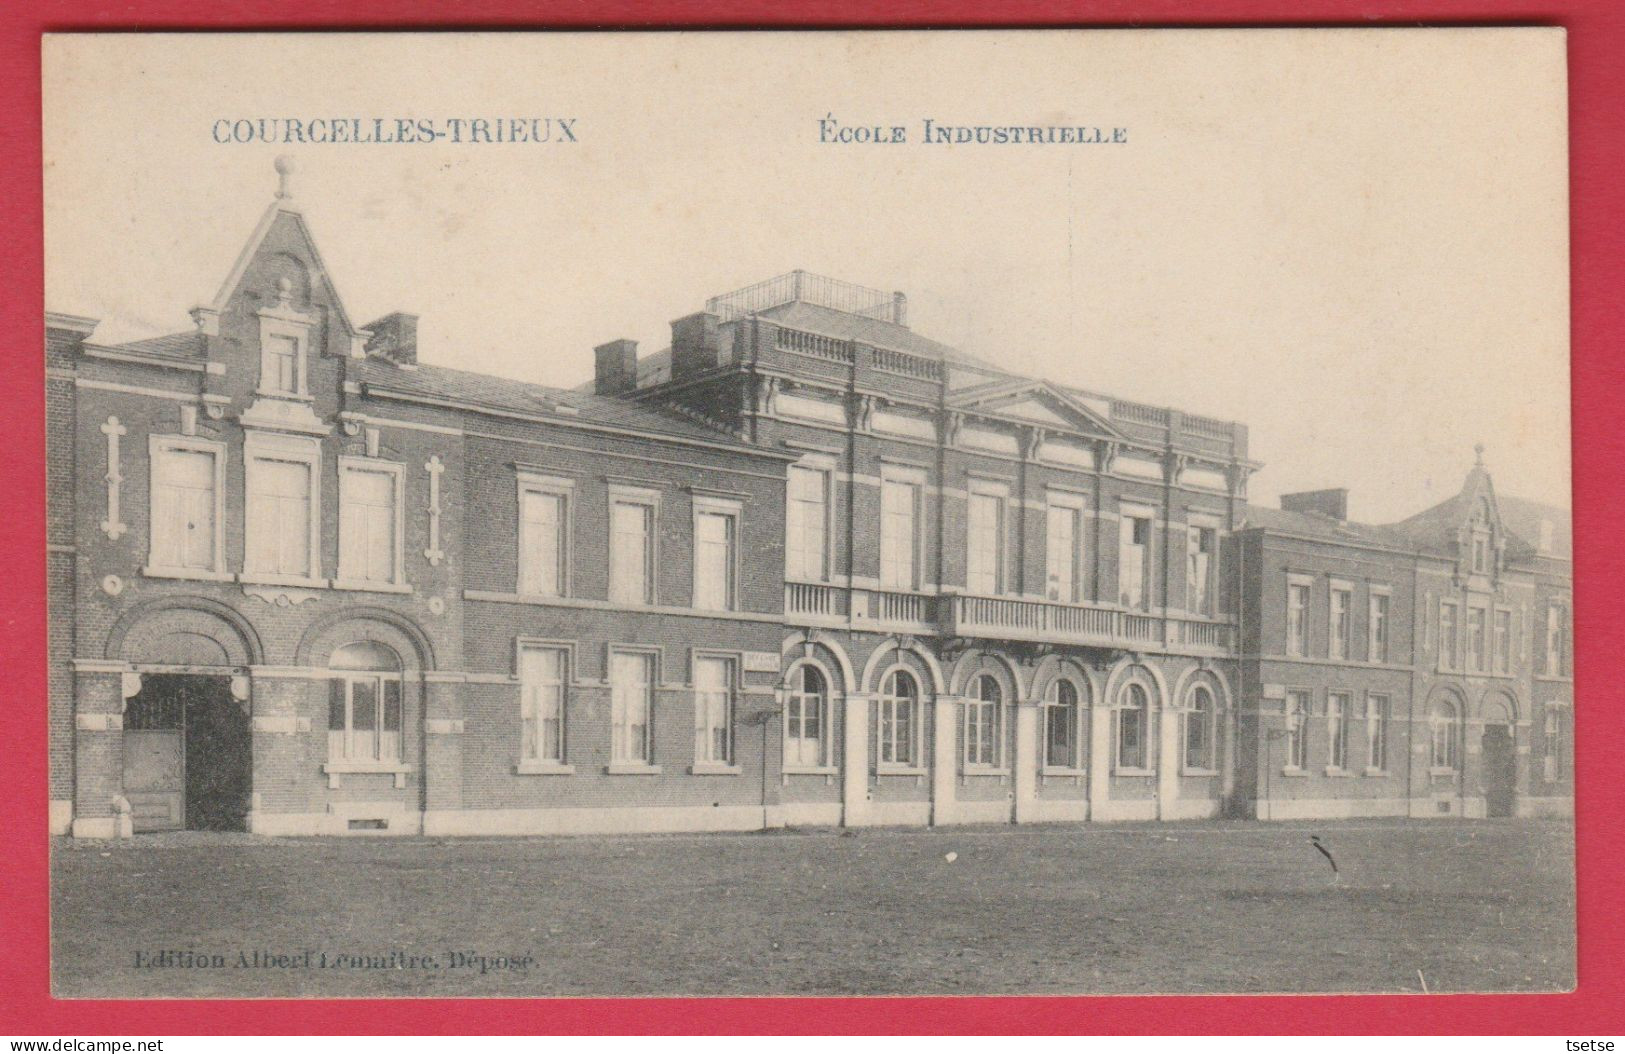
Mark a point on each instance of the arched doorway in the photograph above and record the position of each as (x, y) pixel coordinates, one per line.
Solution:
(188, 756)
(1498, 752)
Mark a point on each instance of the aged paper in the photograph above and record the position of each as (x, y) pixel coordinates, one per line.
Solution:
(809, 513)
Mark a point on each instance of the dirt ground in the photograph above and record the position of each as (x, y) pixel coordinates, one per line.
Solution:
(1155, 908)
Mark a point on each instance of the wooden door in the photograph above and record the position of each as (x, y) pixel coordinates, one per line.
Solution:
(155, 779)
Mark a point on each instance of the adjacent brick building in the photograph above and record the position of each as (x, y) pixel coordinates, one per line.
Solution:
(805, 566)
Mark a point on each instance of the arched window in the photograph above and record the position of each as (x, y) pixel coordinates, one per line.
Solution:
(364, 704)
(984, 723)
(1199, 729)
(1063, 725)
(1133, 727)
(1443, 732)
(806, 713)
(899, 712)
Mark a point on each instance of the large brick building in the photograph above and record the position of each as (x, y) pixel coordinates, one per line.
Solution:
(803, 567)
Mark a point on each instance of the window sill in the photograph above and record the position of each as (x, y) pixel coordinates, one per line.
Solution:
(543, 768)
(1440, 770)
(900, 770)
(292, 397)
(1188, 770)
(294, 581)
(1372, 771)
(1121, 771)
(631, 768)
(810, 770)
(712, 768)
(351, 767)
(1335, 772)
(1294, 772)
(196, 574)
(984, 770)
(1062, 770)
(369, 587)
(336, 770)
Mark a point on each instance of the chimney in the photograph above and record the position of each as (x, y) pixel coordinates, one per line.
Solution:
(395, 337)
(695, 344)
(615, 367)
(1333, 503)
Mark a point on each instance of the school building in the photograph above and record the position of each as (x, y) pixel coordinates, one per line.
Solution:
(803, 567)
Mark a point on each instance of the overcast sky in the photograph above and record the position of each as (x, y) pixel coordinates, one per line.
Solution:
(1354, 242)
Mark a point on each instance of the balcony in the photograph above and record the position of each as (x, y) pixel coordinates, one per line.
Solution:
(820, 604)
(1002, 618)
(1046, 622)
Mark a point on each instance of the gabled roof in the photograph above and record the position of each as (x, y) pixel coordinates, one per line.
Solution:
(282, 206)
(1436, 529)
(566, 405)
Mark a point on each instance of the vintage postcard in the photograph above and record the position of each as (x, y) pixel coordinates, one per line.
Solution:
(838, 513)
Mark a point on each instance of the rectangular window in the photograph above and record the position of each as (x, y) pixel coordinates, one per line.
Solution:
(1297, 619)
(185, 508)
(279, 518)
(1339, 707)
(1199, 586)
(1342, 625)
(1554, 640)
(631, 679)
(1063, 534)
(369, 522)
(806, 545)
(1135, 563)
(631, 551)
(1552, 761)
(713, 710)
(714, 559)
(1481, 554)
(1297, 729)
(984, 562)
(364, 718)
(279, 364)
(899, 512)
(1477, 655)
(1503, 642)
(541, 704)
(544, 537)
(1377, 629)
(1449, 644)
(1376, 733)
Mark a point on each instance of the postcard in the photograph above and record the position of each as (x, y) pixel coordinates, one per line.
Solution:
(808, 513)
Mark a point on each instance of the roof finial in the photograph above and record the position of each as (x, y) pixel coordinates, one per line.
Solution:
(284, 170)
(1478, 454)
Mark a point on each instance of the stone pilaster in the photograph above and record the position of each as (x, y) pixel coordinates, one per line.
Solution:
(855, 762)
(98, 738)
(944, 764)
(1100, 759)
(281, 726)
(1025, 762)
(442, 742)
(1168, 759)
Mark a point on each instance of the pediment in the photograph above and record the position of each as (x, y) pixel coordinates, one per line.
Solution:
(1040, 403)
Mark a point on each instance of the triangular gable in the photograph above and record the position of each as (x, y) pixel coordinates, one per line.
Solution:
(1037, 401)
(277, 210)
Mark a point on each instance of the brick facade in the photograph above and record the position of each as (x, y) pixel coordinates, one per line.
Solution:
(964, 669)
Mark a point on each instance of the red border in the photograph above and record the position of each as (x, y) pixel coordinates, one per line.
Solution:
(1597, 129)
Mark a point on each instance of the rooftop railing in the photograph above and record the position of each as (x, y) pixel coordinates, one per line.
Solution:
(808, 288)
